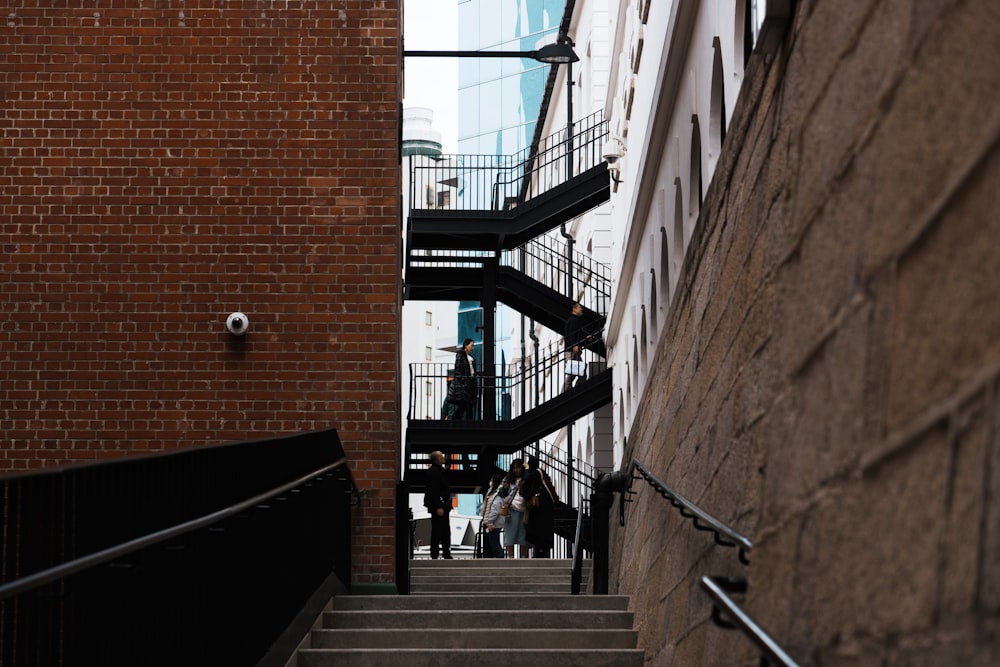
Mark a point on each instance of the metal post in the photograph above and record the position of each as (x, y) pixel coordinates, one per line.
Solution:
(489, 304)
(569, 171)
(569, 118)
(600, 517)
(569, 473)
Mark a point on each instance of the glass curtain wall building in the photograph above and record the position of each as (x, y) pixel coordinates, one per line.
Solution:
(498, 105)
(499, 98)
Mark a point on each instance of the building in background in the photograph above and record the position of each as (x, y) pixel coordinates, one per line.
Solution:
(499, 98)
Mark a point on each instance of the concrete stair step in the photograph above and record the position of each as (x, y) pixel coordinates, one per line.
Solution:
(483, 601)
(475, 638)
(491, 563)
(451, 618)
(465, 619)
(482, 588)
(479, 657)
(496, 580)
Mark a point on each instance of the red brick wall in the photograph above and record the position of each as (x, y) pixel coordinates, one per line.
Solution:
(163, 164)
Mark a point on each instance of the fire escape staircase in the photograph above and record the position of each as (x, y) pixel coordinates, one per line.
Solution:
(478, 231)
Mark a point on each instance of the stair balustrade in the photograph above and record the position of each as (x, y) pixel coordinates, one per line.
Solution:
(504, 182)
(544, 259)
(530, 387)
(110, 563)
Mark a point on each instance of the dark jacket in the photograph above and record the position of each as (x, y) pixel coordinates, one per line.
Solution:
(463, 387)
(573, 332)
(437, 494)
(539, 528)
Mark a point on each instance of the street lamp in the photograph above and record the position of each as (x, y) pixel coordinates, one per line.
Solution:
(559, 53)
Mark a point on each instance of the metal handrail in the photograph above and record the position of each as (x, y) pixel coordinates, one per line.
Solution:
(32, 581)
(702, 520)
(544, 259)
(502, 182)
(716, 588)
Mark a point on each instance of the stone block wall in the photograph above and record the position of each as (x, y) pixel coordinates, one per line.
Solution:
(829, 384)
(163, 164)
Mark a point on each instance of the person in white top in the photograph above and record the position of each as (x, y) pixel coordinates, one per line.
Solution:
(493, 519)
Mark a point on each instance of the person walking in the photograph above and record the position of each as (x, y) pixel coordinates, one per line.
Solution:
(513, 534)
(573, 339)
(493, 518)
(437, 500)
(462, 390)
(541, 497)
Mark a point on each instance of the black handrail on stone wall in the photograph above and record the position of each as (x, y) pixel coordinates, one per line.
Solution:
(218, 554)
(702, 520)
(726, 614)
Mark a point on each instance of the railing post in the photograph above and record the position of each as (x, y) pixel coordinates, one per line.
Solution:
(404, 537)
(600, 517)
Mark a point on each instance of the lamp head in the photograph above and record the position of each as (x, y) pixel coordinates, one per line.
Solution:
(559, 53)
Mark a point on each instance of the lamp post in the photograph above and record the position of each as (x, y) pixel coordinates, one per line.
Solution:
(558, 53)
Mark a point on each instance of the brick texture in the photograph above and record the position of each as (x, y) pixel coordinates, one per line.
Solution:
(163, 164)
(842, 409)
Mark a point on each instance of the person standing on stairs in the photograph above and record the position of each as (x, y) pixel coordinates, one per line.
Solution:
(437, 500)
(573, 342)
(493, 520)
(513, 533)
(541, 496)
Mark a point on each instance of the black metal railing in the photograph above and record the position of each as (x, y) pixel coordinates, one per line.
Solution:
(726, 614)
(702, 520)
(222, 546)
(545, 259)
(503, 182)
(518, 392)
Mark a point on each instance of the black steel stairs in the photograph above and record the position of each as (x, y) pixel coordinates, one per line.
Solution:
(480, 442)
(437, 229)
(475, 232)
(515, 289)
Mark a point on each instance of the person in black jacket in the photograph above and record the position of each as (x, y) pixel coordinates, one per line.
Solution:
(541, 496)
(573, 339)
(437, 500)
(462, 390)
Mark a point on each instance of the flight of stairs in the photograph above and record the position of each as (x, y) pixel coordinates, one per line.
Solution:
(477, 612)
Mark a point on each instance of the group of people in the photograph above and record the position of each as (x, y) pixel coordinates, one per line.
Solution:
(517, 505)
(520, 504)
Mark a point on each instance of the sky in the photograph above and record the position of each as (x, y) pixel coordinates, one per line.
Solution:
(433, 82)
